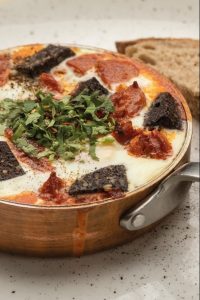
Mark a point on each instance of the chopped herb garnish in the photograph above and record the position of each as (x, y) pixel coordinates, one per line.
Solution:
(107, 140)
(45, 127)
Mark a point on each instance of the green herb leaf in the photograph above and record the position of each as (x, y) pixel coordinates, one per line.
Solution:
(92, 151)
(19, 132)
(63, 128)
(106, 140)
(2, 128)
(29, 105)
(29, 149)
(33, 118)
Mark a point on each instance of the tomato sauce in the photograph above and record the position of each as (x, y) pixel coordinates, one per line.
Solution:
(26, 51)
(152, 144)
(52, 186)
(42, 164)
(128, 102)
(23, 198)
(124, 132)
(4, 69)
(54, 190)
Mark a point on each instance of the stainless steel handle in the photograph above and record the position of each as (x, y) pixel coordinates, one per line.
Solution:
(188, 172)
(163, 200)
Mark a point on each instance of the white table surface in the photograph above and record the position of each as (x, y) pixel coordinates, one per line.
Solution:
(163, 264)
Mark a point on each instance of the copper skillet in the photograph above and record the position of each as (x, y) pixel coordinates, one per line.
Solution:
(88, 228)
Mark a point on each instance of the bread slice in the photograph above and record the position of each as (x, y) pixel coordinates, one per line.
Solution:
(178, 59)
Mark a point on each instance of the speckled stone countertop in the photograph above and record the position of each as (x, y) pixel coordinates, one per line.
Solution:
(162, 264)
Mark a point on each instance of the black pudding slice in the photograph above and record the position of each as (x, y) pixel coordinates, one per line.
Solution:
(44, 60)
(9, 166)
(164, 113)
(92, 85)
(105, 179)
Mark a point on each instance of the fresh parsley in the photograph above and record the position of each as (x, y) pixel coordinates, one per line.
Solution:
(45, 127)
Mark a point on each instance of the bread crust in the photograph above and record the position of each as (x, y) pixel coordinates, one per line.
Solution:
(122, 45)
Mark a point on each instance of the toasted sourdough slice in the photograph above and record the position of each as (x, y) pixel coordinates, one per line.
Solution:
(178, 59)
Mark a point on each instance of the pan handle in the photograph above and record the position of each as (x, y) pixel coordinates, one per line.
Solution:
(189, 172)
(163, 200)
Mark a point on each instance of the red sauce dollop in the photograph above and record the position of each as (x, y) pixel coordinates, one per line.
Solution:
(52, 188)
(128, 102)
(152, 144)
(124, 132)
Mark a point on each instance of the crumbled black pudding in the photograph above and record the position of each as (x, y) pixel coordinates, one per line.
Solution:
(92, 85)
(44, 60)
(9, 166)
(105, 179)
(164, 113)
